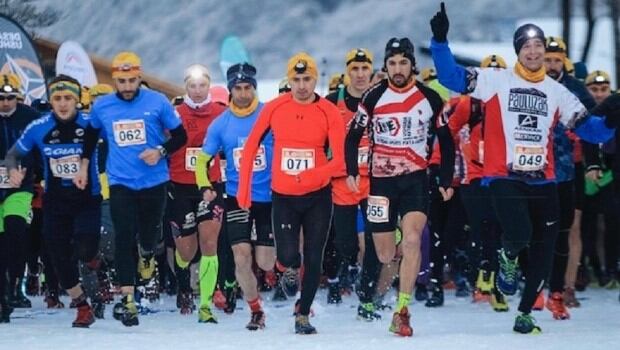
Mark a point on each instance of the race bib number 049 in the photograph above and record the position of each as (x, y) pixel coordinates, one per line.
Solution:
(65, 167)
(378, 210)
(129, 132)
(260, 161)
(529, 158)
(295, 160)
(191, 156)
(4, 178)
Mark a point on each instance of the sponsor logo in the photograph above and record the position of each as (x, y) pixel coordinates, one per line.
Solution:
(11, 40)
(79, 132)
(528, 121)
(521, 136)
(48, 151)
(389, 126)
(530, 101)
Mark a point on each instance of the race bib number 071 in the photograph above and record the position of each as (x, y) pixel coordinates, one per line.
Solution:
(529, 158)
(378, 210)
(295, 160)
(129, 132)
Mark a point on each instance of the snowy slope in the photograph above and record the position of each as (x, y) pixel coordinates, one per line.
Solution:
(458, 325)
(171, 34)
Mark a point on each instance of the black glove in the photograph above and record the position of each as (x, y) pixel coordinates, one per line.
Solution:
(440, 25)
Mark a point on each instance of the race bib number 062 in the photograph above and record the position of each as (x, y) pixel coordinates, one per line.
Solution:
(295, 160)
(129, 132)
(378, 210)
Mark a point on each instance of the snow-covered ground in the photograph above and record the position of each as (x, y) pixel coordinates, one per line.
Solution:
(458, 325)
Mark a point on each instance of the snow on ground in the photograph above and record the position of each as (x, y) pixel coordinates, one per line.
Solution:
(458, 325)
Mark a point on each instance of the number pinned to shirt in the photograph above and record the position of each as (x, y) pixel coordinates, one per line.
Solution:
(296, 160)
(362, 156)
(260, 161)
(191, 157)
(4, 178)
(129, 132)
(65, 167)
(378, 210)
(529, 158)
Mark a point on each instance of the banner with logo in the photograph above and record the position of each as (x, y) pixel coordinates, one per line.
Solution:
(73, 61)
(19, 56)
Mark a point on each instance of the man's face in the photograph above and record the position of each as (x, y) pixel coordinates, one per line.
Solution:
(532, 54)
(359, 73)
(599, 91)
(242, 94)
(64, 105)
(8, 102)
(554, 66)
(399, 70)
(302, 87)
(198, 89)
(127, 86)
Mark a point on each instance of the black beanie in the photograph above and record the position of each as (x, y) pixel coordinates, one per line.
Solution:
(396, 46)
(241, 73)
(526, 32)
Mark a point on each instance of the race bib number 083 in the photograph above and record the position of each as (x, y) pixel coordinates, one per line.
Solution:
(295, 160)
(65, 167)
(129, 132)
(529, 158)
(378, 210)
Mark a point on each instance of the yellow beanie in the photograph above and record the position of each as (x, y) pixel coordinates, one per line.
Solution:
(126, 65)
(301, 63)
(10, 84)
(493, 61)
(100, 90)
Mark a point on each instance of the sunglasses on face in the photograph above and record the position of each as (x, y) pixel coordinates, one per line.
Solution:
(7, 97)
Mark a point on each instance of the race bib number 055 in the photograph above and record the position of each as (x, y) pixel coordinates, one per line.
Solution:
(129, 132)
(65, 167)
(529, 158)
(295, 160)
(260, 161)
(378, 210)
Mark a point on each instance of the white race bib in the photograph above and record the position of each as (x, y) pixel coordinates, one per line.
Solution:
(4, 178)
(129, 132)
(65, 167)
(191, 156)
(295, 160)
(223, 169)
(260, 161)
(362, 156)
(529, 158)
(378, 210)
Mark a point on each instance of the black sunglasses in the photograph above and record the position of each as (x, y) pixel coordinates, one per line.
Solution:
(7, 97)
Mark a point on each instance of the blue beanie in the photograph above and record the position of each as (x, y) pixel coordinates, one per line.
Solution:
(241, 73)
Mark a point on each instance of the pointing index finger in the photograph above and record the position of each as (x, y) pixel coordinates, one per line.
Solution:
(443, 8)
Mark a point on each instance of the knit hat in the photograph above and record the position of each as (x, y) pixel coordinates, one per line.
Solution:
(493, 61)
(65, 83)
(126, 65)
(301, 63)
(359, 55)
(402, 46)
(524, 33)
(10, 84)
(241, 73)
(598, 77)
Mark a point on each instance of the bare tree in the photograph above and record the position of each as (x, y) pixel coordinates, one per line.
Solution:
(589, 12)
(614, 10)
(29, 15)
(566, 20)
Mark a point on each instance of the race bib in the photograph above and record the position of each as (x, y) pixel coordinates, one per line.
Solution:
(362, 156)
(295, 160)
(129, 132)
(378, 210)
(223, 169)
(260, 161)
(65, 167)
(529, 158)
(4, 178)
(191, 156)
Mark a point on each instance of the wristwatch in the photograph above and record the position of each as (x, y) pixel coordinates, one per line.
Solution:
(162, 150)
